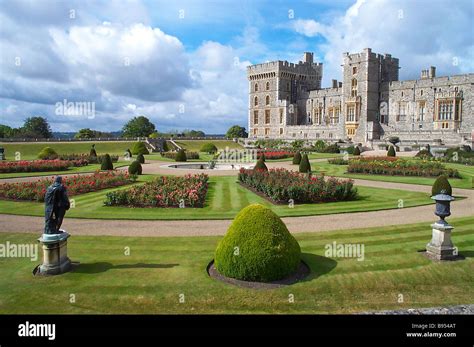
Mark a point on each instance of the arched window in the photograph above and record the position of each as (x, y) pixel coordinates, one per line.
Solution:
(256, 87)
(267, 86)
(255, 101)
(354, 87)
(267, 100)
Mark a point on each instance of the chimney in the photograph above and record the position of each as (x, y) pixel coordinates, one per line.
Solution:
(340, 84)
(334, 83)
(308, 57)
(432, 73)
(424, 74)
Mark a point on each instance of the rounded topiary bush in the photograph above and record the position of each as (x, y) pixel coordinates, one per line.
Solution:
(135, 168)
(305, 166)
(181, 155)
(47, 153)
(139, 148)
(209, 148)
(260, 165)
(297, 158)
(93, 152)
(141, 158)
(356, 150)
(257, 247)
(441, 186)
(106, 163)
(391, 152)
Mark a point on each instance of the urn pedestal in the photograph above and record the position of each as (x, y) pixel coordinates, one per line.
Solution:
(441, 247)
(55, 259)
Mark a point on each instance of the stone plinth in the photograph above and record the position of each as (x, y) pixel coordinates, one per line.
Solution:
(441, 247)
(55, 259)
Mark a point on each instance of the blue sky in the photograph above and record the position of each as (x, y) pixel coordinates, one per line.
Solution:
(186, 60)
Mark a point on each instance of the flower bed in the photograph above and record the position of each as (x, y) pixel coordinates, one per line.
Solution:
(90, 158)
(276, 154)
(172, 155)
(78, 184)
(338, 161)
(163, 191)
(281, 185)
(39, 165)
(399, 167)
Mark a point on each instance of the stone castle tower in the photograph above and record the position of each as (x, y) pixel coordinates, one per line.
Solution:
(286, 101)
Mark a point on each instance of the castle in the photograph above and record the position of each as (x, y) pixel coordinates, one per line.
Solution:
(370, 105)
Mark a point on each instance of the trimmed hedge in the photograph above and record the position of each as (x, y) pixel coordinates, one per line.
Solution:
(47, 153)
(441, 186)
(135, 168)
(172, 155)
(297, 158)
(139, 148)
(141, 158)
(181, 155)
(257, 247)
(305, 166)
(106, 163)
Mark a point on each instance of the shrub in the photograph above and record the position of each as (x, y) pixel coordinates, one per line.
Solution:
(262, 156)
(135, 168)
(391, 152)
(172, 155)
(260, 165)
(441, 186)
(47, 153)
(319, 146)
(106, 163)
(209, 148)
(93, 153)
(281, 185)
(331, 149)
(424, 154)
(356, 150)
(181, 156)
(139, 148)
(350, 150)
(267, 250)
(128, 153)
(338, 161)
(297, 158)
(305, 166)
(141, 158)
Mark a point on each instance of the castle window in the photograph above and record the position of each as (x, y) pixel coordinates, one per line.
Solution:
(401, 116)
(255, 101)
(421, 111)
(281, 116)
(288, 86)
(354, 87)
(281, 131)
(255, 131)
(256, 87)
(267, 100)
(267, 86)
(354, 70)
(421, 93)
(351, 116)
(255, 117)
(445, 110)
(267, 116)
(267, 131)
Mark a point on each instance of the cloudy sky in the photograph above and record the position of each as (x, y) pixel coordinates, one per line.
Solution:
(183, 63)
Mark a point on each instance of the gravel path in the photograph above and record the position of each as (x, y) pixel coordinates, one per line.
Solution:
(458, 309)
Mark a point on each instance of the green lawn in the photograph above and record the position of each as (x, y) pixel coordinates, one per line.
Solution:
(71, 170)
(467, 174)
(225, 198)
(29, 151)
(195, 145)
(159, 270)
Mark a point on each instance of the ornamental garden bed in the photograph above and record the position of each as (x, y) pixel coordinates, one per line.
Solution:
(40, 165)
(172, 155)
(77, 184)
(280, 185)
(163, 191)
(400, 167)
(274, 155)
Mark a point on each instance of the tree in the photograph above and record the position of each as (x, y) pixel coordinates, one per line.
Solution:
(236, 131)
(209, 148)
(87, 133)
(194, 133)
(37, 127)
(5, 131)
(138, 127)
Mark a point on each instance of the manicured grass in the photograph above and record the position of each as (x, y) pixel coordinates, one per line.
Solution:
(159, 270)
(225, 198)
(313, 156)
(29, 151)
(71, 170)
(195, 145)
(467, 174)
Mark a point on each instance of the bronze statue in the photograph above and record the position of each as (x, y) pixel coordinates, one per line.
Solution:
(56, 204)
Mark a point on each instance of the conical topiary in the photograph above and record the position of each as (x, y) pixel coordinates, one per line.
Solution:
(305, 166)
(356, 150)
(297, 158)
(260, 165)
(441, 186)
(141, 158)
(181, 155)
(262, 156)
(106, 163)
(257, 247)
(93, 153)
(135, 168)
(391, 152)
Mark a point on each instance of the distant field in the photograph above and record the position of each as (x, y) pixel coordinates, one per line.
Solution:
(30, 151)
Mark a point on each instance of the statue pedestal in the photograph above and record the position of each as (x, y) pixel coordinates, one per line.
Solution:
(55, 259)
(441, 247)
